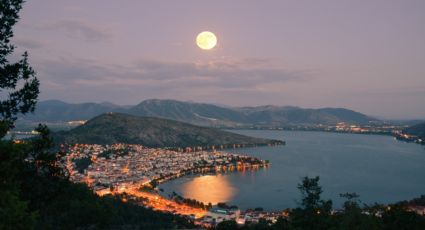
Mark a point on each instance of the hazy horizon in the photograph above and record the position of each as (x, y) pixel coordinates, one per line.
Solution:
(229, 106)
(360, 55)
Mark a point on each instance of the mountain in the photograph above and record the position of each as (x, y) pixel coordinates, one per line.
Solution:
(289, 115)
(416, 130)
(195, 113)
(151, 131)
(203, 114)
(212, 115)
(54, 110)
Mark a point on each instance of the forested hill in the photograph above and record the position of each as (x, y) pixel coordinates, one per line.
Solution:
(416, 130)
(112, 128)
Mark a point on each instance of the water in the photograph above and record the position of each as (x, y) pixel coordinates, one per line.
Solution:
(378, 168)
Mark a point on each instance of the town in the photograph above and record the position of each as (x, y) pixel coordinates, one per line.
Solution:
(340, 127)
(133, 171)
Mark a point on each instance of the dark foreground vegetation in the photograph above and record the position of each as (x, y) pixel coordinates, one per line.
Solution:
(35, 192)
(315, 213)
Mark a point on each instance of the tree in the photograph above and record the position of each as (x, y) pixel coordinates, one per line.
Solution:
(227, 225)
(310, 193)
(353, 217)
(17, 79)
(19, 92)
(314, 212)
(397, 217)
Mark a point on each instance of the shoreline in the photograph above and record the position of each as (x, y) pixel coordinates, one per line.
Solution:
(135, 170)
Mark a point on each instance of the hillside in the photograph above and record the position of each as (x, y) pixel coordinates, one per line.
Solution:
(202, 114)
(416, 130)
(289, 115)
(194, 113)
(208, 115)
(54, 110)
(153, 132)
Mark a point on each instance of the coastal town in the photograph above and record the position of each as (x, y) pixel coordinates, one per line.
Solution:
(342, 127)
(112, 166)
(403, 136)
(133, 171)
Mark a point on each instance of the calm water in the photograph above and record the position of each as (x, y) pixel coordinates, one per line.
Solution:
(378, 168)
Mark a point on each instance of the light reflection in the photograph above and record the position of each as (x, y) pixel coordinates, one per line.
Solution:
(209, 188)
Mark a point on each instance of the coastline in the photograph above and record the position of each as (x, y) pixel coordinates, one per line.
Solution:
(121, 170)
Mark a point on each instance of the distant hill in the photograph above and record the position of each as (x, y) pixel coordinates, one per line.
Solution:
(153, 132)
(288, 115)
(416, 130)
(202, 114)
(54, 110)
(195, 113)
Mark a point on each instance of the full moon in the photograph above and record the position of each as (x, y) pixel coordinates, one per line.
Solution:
(206, 40)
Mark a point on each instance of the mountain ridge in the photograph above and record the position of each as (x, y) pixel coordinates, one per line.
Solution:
(203, 114)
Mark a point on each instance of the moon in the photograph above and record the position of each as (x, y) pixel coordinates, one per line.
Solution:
(206, 40)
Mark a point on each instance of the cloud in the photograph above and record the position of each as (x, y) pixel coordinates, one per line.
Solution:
(159, 79)
(27, 43)
(78, 29)
(227, 73)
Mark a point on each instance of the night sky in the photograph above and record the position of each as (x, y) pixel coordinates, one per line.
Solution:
(363, 55)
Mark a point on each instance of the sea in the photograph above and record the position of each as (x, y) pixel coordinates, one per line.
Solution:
(378, 168)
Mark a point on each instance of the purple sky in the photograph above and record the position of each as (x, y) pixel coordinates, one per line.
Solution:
(364, 55)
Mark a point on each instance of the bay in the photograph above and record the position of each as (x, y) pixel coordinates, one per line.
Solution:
(378, 168)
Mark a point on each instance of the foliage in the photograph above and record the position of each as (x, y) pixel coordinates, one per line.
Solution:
(396, 217)
(314, 212)
(82, 164)
(190, 202)
(227, 225)
(352, 217)
(36, 194)
(418, 201)
(17, 79)
(34, 190)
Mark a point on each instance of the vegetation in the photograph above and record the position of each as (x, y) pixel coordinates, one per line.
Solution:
(17, 80)
(113, 128)
(82, 164)
(315, 213)
(114, 153)
(190, 202)
(416, 130)
(417, 201)
(34, 191)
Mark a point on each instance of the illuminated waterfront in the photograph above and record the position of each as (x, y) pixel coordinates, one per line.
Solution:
(378, 168)
(134, 171)
(210, 188)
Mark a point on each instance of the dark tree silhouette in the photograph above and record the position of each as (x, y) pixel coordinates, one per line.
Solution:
(19, 87)
(310, 194)
(314, 212)
(227, 225)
